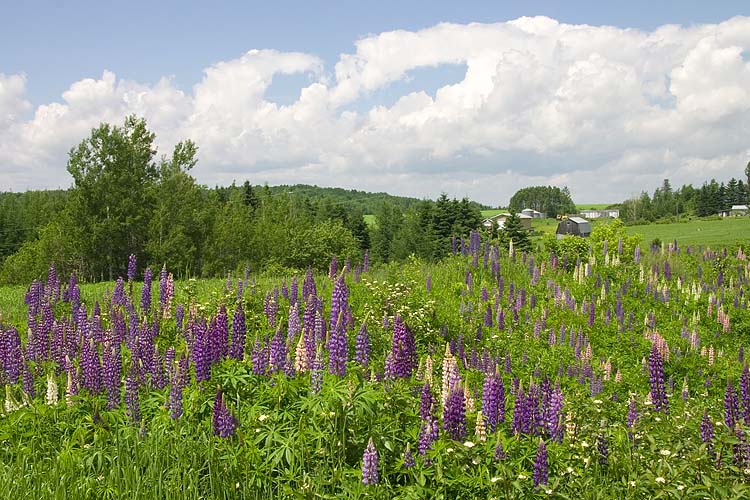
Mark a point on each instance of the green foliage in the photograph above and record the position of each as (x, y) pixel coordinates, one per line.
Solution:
(111, 202)
(314, 246)
(516, 232)
(22, 215)
(546, 199)
(612, 233)
(568, 250)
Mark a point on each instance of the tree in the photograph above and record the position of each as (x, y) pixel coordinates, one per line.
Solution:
(547, 199)
(515, 232)
(389, 220)
(249, 195)
(181, 217)
(112, 196)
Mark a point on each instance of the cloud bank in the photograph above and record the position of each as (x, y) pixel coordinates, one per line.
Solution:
(606, 111)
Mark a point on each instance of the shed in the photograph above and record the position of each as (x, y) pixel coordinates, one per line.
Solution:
(575, 226)
(738, 210)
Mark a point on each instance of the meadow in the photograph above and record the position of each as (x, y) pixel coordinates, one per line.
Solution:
(490, 374)
(714, 232)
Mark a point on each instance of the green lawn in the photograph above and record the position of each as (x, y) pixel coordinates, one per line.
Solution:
(714, 232)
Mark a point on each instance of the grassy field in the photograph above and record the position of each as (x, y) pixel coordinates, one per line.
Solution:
(711, 232)
(592, 206)
(492, 212)
(715, 232)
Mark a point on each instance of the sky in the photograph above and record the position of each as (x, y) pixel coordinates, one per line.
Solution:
(472, 99)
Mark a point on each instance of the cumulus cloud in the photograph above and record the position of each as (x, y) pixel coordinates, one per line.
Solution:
(607, 111)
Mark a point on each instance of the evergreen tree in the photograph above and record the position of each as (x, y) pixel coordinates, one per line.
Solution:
(515, 231)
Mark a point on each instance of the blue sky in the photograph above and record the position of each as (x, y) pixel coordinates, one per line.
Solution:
(56, 43)
(48, 49)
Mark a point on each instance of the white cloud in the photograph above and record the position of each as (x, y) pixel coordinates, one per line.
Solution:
(12, 102)
(608, 111)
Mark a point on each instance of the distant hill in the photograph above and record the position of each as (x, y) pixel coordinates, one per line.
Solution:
(364, 201)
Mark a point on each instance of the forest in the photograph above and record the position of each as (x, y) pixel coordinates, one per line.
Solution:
(124, 201)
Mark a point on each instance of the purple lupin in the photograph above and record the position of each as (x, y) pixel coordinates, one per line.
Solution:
(731, 406)
(707, 432)
(146, 291)
(237, 348)
(540, 465)
(224, 422)
(656, 379)
(493, 400)
(403, 349)
(370, 464)
(362, 346)
(277, 352)
(454, 414)
(338, 349)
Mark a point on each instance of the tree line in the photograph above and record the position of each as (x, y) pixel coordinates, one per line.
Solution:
(125, 201)
(711, 198)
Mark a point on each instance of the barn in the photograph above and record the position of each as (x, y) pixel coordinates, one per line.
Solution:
(575, 226)
(500, 218)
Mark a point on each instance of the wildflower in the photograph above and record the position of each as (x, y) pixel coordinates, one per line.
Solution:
(146, 292)
(481, 428)
(602, 447)
(362, 346)
(493, 400)
(52, 390)
(403, 349)
(370, 464)
(731, 407)
(426, 402)
(540, 464)
(499, 452)
(408, 457)
(656, 378)
(454, 414)
(224, 422)
(338, 352)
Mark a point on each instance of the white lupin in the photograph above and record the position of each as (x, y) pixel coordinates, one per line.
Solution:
(52, 390)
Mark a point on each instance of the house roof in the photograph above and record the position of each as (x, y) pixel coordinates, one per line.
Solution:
(578, 220)
(739, 207)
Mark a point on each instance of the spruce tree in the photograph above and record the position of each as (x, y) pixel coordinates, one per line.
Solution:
(515, 231)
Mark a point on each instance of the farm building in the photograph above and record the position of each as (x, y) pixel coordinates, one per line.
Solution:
(738, 210)
(598, 214)
(533, 213)
(499, 219)
(575, 226)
